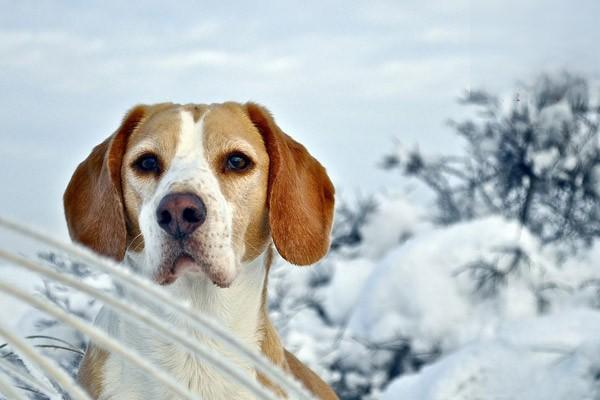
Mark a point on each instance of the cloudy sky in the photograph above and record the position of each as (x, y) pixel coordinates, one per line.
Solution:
(343, 77)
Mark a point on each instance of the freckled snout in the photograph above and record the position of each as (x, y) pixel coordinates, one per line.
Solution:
(180, 214)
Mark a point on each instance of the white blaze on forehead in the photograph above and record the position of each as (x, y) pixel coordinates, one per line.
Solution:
(189, 146)
(190, 166)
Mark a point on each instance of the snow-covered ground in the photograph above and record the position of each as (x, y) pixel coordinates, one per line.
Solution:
(448, 313)
(551, 357)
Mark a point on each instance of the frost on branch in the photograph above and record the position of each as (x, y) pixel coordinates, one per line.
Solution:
(535, 159)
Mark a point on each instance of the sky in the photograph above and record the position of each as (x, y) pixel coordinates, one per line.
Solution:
(345, 78)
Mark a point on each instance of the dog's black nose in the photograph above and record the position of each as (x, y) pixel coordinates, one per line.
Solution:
(180, 214)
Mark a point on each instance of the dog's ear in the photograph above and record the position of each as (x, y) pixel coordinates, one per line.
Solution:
(93, 200)
(300, 194)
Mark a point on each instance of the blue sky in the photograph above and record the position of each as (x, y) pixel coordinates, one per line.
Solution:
(343, 77)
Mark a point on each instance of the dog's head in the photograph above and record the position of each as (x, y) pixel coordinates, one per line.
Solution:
(200, 188)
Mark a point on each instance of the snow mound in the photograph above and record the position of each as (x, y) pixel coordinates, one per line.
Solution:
(555, 357)
(395, 220)
(424, 290)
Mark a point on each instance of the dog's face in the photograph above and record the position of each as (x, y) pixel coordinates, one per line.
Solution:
(199, 190)
(194, 187)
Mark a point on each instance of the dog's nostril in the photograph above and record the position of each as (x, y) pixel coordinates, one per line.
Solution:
(164, 217)
(192, 215)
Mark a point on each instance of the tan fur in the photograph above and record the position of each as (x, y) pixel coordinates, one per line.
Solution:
(271, 345)
(290, 199)
(310, 380)
(91, 373)
(273, 349)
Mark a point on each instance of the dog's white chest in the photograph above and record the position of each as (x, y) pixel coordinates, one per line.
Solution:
(237, 307)
(124, 384)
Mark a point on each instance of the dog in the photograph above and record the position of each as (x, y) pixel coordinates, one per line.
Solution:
(195, 197)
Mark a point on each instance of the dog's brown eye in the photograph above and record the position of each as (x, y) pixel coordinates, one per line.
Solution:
(237, 162)
(148, 163)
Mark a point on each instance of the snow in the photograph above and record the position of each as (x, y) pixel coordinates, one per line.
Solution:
(395, 221)
(341, 295)
(554, 357)
(544, 160)
(539, 325)
(12, 311)
(553, 117)
(421, 290)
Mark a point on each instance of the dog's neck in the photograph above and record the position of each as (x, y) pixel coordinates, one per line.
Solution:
(237, 308)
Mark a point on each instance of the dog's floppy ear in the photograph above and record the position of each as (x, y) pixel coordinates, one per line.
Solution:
(93, 199)
(300, 194)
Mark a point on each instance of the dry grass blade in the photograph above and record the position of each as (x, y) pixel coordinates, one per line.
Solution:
(48, 366)
(99, 337)
(9, 390)
(26, 378)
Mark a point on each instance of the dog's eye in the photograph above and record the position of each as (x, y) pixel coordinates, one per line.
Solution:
(147, 163)
(237, 162)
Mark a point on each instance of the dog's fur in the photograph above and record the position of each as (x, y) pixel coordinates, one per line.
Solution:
(283, 199)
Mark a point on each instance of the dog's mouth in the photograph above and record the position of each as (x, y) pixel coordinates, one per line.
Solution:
(184, 263)
(170, 271)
